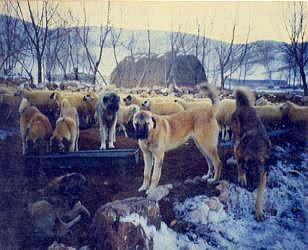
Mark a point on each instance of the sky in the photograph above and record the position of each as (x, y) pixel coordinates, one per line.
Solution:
(257, 20)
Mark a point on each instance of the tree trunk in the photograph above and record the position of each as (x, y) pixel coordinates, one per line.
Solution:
(39, 69)
(304, 80)
(222, 80)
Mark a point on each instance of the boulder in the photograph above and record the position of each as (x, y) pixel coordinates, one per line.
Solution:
(110, 231)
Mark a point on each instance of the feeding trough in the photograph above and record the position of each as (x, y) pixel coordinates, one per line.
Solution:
(102, 160)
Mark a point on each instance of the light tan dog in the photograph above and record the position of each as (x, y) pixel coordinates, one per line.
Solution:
(66, 134)
(34, 127)
(158, 134)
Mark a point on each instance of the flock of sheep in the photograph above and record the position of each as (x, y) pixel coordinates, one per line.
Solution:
(156, 100)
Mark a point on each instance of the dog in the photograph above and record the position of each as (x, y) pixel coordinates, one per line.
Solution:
(55, 216)
(66, 134)
(252, 145)
(158, 134)
(34, 129)
(107, 108)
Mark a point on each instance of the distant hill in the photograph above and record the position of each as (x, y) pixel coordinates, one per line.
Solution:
(265, 58)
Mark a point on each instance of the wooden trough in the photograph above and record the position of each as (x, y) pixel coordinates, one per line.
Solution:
(118, 161)
(109, 160)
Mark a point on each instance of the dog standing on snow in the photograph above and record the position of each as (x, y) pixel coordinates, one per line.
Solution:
(107, 108)
(252, 145)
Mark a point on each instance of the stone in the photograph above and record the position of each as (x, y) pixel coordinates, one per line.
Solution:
(110, 232)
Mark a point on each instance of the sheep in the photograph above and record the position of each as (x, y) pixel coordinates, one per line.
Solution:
(85, 105)
(295, 115)
(165, 108)
(125, 115)
(133, 99)
(270, 115)
(224, 113)
(42, 99)
(9, 106)
(193, 104)
(263, 101)
(293, 112)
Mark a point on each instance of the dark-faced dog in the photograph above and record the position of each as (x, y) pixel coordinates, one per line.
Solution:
(107, 108)
(252, 145)
(158, 134)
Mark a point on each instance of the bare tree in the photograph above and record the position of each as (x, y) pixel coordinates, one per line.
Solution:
(55, 46)
(74, 46)
(12, 42)
(37, 30)
(131, 46)
(297, 50)
(84, 38)
(266, 55)
(170, 72)
(230, 57)
(185, 45)
(115, 38)
(147, 67)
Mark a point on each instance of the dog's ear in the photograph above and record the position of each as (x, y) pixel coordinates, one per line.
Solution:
(54, 96)
(154, 122)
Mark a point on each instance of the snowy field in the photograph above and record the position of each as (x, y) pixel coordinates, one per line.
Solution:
(234, 226)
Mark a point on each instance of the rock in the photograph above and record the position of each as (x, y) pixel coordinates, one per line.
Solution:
(110, 232)
(223, 188)
(160, 192)
(59, 246)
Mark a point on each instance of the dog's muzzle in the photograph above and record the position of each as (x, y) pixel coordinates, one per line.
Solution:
(58, 146)
(114, 107)
(141, 131)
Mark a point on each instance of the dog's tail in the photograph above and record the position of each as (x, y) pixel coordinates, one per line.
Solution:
(244, 97)
(211, 93)
(23, 105)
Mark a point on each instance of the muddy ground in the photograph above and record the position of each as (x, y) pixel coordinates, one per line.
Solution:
(18, 189)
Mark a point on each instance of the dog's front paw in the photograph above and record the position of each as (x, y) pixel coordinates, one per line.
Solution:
(211, 180)
(207, 176)
(142, 188)
(150, 190)
(242, 182)
(259, 215)
(102, 147)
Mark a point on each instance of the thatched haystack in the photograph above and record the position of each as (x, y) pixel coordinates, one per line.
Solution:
(159, 70)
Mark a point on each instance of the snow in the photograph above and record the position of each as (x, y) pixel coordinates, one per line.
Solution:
(234, 226)
(5, 134)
